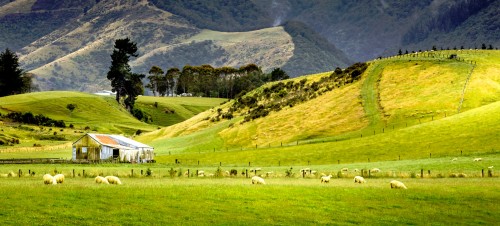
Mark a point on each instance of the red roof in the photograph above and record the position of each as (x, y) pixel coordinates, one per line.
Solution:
(106, 140)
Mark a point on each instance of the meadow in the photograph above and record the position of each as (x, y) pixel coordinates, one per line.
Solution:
(235, 201)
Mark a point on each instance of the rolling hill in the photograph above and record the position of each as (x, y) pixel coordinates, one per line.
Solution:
(92, 113)
(409, 105)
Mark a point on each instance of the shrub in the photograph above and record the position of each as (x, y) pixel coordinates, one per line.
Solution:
(289, 173)
(149, 172)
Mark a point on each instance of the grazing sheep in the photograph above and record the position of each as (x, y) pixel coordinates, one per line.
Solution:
(375, 170)
(356, 170)
(478, 159)
(258, 180)
(113, 180)
(326, 179)
(454, 159)
(268, 174)
(101, 180)
(49, 179)
(201, 173)
(59, 178)
(359, 179)
(210, 175)
(226, 173)
(397, 184)
(490, 167)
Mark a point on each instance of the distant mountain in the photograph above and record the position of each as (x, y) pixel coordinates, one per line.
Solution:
(67, 44)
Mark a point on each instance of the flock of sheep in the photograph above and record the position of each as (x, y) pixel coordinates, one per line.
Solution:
(326, 179)
(59, 179)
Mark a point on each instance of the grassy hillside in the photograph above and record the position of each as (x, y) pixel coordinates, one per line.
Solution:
(167, 111)
(404, 106)
(96, 113)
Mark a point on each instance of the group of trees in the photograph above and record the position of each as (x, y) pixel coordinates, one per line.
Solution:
(208, 81)
(13, 80)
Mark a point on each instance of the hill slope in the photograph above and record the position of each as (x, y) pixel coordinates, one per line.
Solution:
(406, 103)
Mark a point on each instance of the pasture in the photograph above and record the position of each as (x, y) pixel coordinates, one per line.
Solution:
(235, 201)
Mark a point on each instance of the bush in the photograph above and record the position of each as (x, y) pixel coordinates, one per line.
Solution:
(149, 172)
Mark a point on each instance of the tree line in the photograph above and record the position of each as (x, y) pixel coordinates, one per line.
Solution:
(207, 81)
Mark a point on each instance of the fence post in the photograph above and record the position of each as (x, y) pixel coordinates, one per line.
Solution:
(369, 173)
(132, 172)
(279, 163)
(220, 163)
(490, 173)
(421, 173)
(141, 172)
(73, 173)
(246, 173)
(83, 173)
(20, 172)
(249, 164)
(188, 173)
(198, 162)
(482, 172)
(429, 172)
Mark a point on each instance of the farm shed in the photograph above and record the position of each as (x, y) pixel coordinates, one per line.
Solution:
(106, 147)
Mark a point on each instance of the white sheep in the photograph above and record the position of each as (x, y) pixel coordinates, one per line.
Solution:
(397, 184)
(478, 159)
(59, 178)
(201, 173)
(326, 179)
(454, 159)
(359, 179)
(258, 180)
(49, 179)
(490, 167)
(375, 170)
(101, 180)
(113, 180)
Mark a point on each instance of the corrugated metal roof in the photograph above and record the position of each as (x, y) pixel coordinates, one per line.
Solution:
(105, 139)
(117, 141)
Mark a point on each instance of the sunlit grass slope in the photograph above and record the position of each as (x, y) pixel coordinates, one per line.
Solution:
(99, 113)
(171, 110)
(405, 105)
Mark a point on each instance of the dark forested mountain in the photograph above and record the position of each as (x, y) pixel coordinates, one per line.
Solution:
(66, 44)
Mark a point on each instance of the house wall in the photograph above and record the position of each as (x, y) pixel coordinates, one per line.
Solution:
(87, 148)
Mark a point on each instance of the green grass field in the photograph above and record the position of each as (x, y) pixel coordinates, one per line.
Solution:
(229, 201)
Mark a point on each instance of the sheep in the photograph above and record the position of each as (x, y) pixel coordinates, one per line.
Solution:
(344, 170)
(490, 167)
(49, 179)
(258, 180)
(59, 178)
(359, 179)
(454, 159)
(226, 173)
(397, 184)
(210, 175)
(101, 180)
(113, 180)
(356, 170)
(375, 170)
(326, 179)
(478, 159)
(270, 173)
(201, 173)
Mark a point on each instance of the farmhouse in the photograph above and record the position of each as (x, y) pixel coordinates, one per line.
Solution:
(94, 147)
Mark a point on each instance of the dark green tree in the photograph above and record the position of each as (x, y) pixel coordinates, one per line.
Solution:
(400, 52)
(11, 76)
(120, 69)
(133, 88)
(277, 75)
(170, 80)
(155, 78)
(483, 46)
